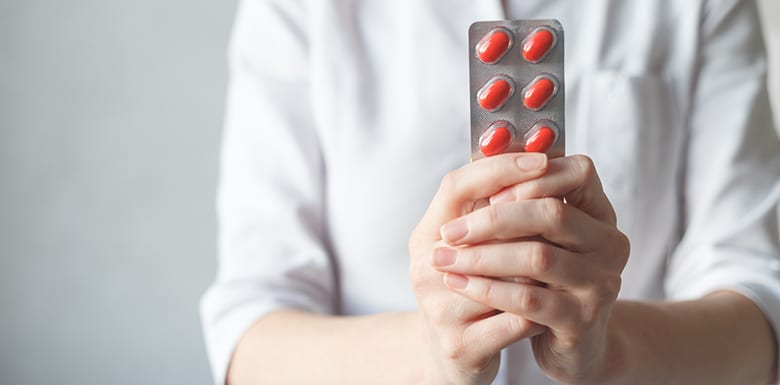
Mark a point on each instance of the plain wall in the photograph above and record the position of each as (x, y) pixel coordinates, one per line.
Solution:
(110, 116)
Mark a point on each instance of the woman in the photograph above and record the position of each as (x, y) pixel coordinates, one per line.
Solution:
(346, 117)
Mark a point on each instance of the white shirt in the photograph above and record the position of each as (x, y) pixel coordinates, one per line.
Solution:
(343, 116)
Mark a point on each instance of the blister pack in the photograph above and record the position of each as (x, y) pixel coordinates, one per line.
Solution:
(517, 87)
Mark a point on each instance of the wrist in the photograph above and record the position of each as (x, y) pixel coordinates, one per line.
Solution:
(614, 365)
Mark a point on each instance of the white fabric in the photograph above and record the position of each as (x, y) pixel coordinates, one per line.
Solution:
(344, 115)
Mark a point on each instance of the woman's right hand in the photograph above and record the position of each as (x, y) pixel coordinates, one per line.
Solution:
(465, 338)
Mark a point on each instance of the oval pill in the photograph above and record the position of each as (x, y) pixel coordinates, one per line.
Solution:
(493, 46)
(541, 140)
(538, 93)
(494, 94)
(495, 141)
(538, 44)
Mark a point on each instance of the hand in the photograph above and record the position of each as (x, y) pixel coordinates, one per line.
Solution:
(574, 249)
(465, 337)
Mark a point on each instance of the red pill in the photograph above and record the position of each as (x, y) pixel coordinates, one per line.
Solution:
(496, 139)
(539, 92)
(494, 46)
(540, 140)
(538, 44)
(495, 93)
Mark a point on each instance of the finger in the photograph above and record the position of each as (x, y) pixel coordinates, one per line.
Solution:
(461, 188)
(559, 310)
(549, 218)
(444, 307)
(485, 337)
(574, 178)
(537, 260)
(449, 307)
(463, 310)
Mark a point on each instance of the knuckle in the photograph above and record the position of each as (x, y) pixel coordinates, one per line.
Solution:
(495, 165)
(449, 183)
(527, 300)
(454, 348)
(590, 311)
(498, 166)
(438, 318)
(619, 248)
(541, 258)
(535, 188)
(612, 286)
(585, 166)
(515, 324)
(623, 246)
(487, 291)
(555, 210)
(420, 275)
(611, 214)
(475, 258)
(416, 278)
(570, 342)
(594, 307)
(493, 216)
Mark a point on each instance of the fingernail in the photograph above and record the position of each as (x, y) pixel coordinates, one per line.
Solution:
(455, 281)
(531, 161)
(444, 256)
(454, 231)
(503, 196)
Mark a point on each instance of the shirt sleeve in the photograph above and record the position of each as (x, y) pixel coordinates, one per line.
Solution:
(730, 238)
(272, 253)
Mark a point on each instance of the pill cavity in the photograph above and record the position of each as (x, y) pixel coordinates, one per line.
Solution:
(541, 137)
(496, 138)
(539, 92)
(494, 46)
(495, 93)
(538, 44)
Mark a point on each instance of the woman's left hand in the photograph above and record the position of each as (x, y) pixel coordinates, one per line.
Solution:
(573, 250)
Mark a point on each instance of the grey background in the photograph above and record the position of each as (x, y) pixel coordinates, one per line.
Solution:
(110, 116)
